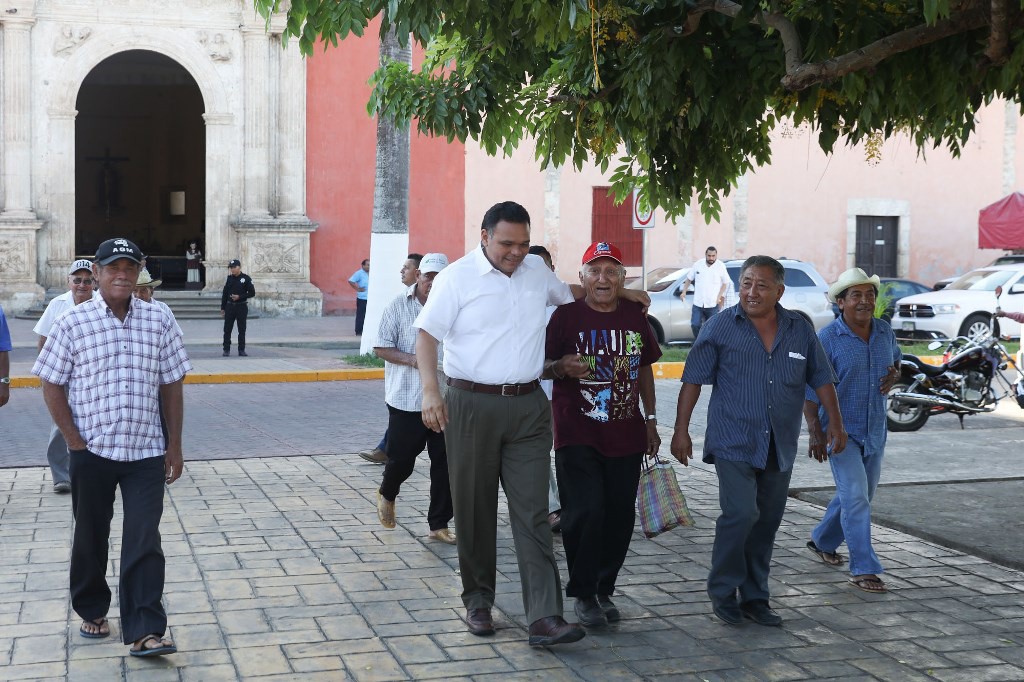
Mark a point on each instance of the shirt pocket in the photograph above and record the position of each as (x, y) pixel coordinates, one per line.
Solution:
(794, 369)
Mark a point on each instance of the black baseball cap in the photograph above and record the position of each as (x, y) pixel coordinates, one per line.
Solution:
(235, 263)
(112, 249)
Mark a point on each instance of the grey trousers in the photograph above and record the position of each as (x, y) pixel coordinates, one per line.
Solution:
(491, 438)
(753, 502)
(58, 456)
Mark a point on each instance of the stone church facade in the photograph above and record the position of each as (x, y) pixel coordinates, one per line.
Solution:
(158, 120)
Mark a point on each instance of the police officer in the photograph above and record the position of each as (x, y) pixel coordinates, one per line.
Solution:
(238, 289)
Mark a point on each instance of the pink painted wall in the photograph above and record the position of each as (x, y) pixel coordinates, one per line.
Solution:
(796, 207)
(340, 159)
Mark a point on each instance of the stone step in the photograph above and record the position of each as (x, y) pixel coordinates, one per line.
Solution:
(186, 305)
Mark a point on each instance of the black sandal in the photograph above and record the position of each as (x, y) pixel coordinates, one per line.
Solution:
(830, 558)
(166, 647)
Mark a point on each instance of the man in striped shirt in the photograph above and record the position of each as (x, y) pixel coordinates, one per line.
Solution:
(116, 354)
(759, 357)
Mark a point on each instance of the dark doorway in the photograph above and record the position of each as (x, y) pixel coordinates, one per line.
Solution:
(877, 240)
(140, 160)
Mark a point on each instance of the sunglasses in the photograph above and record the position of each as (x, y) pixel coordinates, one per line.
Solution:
(82, 280)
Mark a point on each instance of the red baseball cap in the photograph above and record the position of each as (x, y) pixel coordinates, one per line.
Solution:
(602, 250)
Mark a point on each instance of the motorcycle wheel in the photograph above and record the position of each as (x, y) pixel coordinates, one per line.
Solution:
(904, 417)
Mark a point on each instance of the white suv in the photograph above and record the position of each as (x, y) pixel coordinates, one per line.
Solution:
(806, 293)
(965, 307)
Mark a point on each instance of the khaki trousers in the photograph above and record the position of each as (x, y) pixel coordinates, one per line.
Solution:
(492, 438)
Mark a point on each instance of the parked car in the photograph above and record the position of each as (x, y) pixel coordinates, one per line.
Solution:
(806, 293)
(965, 307)
(1008, 259)
(896, 289)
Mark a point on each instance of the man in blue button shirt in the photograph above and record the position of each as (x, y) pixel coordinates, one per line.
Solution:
(866, 359)
(759, 357)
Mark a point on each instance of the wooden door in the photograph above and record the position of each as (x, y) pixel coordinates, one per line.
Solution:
(877, 240)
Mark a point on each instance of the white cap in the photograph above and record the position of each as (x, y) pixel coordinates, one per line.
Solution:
(80, 264)
(433, 262)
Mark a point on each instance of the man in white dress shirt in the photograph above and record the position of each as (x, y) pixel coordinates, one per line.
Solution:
(489, 309)
(710, 280)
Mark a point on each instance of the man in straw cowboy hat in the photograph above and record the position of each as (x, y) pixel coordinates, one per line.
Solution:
(866, 358)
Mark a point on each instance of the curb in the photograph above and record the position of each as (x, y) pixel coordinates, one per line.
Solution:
(662, 370)
(253, 377)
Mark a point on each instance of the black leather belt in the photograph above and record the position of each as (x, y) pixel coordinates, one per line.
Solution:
(507, 390)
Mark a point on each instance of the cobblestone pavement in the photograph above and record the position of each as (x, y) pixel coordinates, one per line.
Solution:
(278, 569)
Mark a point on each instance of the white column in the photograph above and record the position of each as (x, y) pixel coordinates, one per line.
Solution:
(60, 227)
(221, 242)
(256, 192)
(1011, 118)
(17, 118)
(291, 155)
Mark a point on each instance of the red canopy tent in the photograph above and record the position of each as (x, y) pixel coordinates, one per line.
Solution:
(1001, 225)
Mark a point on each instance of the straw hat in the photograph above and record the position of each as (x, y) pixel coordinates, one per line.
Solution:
(851, 278)
(146, 280)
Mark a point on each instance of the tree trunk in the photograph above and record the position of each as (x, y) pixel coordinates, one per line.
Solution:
(389, 231)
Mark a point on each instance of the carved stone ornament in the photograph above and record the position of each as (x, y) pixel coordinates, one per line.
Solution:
(12, 260)
(276, 257)
(216, 47)
(69, 39)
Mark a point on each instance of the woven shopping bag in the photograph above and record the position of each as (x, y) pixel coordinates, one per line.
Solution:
(659, 499)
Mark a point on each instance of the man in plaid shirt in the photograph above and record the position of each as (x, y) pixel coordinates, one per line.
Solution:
(116, 354)
(403, 393)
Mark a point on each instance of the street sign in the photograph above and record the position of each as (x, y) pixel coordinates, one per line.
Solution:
(642, 219)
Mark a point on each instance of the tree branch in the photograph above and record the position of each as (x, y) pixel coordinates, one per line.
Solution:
(868, 56)
(998, 37)
(787, 31)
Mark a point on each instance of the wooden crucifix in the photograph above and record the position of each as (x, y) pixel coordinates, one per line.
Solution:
(108, 181)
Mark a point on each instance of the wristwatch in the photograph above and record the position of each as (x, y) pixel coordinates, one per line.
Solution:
(5, 380)
(652, 418)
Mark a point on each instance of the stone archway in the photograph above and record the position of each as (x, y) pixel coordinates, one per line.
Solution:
(253, 94)
(140, 157)
(175, 52)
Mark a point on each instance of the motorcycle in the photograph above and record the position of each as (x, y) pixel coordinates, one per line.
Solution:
(969, 381)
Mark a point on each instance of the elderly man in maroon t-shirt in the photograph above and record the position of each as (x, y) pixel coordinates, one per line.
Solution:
(600, 349)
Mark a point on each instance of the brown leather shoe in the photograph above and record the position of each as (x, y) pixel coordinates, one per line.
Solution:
(377, 456)
(554, 630)
(479, 622)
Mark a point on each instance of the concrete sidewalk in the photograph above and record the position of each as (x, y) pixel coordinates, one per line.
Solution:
(279, 570)
(280, 349)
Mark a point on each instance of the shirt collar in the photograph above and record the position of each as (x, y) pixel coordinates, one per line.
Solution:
(780, 312)
(843, 329)
(482, 266)
(410, 291)
(99, 297)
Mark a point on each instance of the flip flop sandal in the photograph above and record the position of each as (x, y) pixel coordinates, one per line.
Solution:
(830, 558)
(872, 584)
(99, 623)
(161, 650)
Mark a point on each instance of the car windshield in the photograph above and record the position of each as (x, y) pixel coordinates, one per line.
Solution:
(982, 280)
(659, 279)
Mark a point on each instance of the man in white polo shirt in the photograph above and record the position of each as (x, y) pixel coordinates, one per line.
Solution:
(80, 290)
(489, 309)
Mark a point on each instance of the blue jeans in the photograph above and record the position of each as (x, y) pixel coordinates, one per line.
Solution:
(848, 515)
(698, 316)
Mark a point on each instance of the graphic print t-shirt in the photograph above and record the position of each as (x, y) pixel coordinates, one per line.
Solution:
(601, 410)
